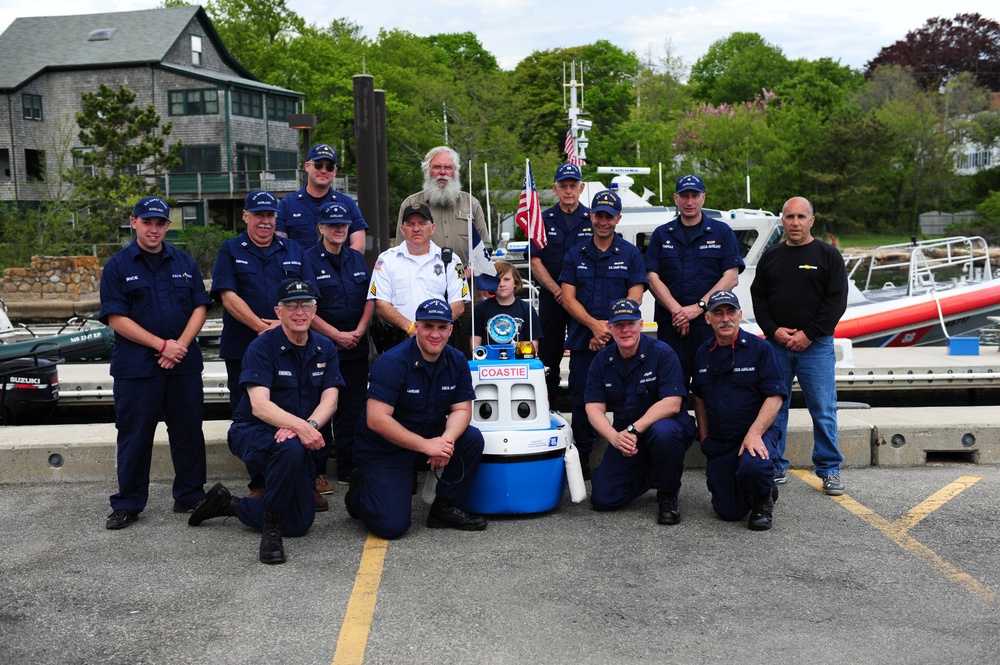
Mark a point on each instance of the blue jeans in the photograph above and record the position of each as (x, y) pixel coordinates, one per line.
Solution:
(814, 368)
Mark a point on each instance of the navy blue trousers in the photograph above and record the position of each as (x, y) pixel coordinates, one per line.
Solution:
(287, 469)
(350, 404)
(583, 431)
(551, 347)
(139, 406)
(658, 463)
(383, 499)
(734, 479)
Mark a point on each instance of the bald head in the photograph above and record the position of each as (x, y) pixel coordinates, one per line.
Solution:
(797, 220)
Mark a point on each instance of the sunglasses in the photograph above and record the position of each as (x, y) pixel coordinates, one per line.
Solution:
(324, 166)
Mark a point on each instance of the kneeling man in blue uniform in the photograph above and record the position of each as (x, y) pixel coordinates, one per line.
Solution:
(640, 381)
(291, 381)
(739, 389)
(418, 411)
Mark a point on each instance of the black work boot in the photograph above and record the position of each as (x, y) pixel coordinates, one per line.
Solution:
(446, 515)
(218, 502)
(669, 512)
(272, 550)
(763, 506)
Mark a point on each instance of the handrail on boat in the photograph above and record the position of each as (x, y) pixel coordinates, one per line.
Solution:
(926, 258)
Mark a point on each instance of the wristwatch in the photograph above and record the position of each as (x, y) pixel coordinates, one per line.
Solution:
(703, 305)
(632, 430)
(314, 424)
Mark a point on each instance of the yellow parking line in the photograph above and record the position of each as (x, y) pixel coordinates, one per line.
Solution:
(361, 607)
(897, 531)
(936, 500)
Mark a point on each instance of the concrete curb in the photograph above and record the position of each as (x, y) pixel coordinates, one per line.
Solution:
(870, 437)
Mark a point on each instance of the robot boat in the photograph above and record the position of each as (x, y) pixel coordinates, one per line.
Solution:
(529, 452)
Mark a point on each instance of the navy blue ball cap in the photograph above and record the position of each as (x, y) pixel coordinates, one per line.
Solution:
(606, 201)
(624, 310)
(434, 309)
(322, 151)
(151, 207)
(689, 183)
(720, 298)
(568, 172)
(260, 200)
(334, 213)
(296, 289)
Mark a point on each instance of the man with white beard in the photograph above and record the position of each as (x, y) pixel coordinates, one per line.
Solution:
(450, 207)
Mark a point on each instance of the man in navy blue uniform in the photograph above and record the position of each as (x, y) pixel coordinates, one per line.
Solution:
(639, 380)
(738, 388)
(419, 409)
(688, 259)
(298, 212)
(343, 315)
(567, 224)
(292, 382)
(595, 273)
(153, 297)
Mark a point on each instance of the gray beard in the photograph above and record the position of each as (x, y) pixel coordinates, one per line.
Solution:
(442, 197)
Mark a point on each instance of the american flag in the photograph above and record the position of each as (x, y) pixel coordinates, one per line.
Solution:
(570, 150)
(529, 212)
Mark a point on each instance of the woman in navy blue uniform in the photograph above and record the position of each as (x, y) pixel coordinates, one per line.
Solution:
(739, 388)
(153, 297)
(291, 384)
(639, 381)
(343, 315)
(418, 412)
(506, 302)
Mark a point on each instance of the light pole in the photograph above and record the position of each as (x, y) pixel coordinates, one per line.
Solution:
(305, 123)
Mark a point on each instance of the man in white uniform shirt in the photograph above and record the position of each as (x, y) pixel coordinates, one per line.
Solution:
(413, 272)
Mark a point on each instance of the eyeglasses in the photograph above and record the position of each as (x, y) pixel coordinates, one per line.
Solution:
(324, 165)
(295, 305)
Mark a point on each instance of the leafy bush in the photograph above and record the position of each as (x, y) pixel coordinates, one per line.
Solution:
(203, 242)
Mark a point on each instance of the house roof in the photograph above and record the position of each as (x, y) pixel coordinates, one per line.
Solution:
(31, 46)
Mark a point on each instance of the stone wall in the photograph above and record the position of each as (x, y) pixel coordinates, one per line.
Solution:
(53, 278)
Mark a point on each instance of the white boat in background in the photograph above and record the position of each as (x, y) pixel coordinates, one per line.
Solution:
(914, 294)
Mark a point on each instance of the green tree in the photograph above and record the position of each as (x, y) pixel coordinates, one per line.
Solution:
(738, 69)
(127, 150)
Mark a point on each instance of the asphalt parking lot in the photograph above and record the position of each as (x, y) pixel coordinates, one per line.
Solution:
(902, 569)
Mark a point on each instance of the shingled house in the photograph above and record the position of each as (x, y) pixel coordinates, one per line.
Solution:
(234, 128)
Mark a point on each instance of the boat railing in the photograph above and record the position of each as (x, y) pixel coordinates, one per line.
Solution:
(930, 264)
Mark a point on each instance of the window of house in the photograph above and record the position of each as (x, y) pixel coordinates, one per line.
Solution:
(4, 165)
(78, 162)
(197, 55)
(32, 106)
(284, 159)
(34, 164)
(200, 159)
(248, 104)
(279, 107)
(193, 102)
(191, 215)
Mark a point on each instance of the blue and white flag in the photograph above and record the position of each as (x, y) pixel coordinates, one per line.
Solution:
(483, 271)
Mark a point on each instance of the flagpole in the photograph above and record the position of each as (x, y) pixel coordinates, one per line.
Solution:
(528, 179)
(472, 277)
(489, 220)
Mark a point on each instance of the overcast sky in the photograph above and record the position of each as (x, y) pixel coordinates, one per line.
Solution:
(851, 31)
